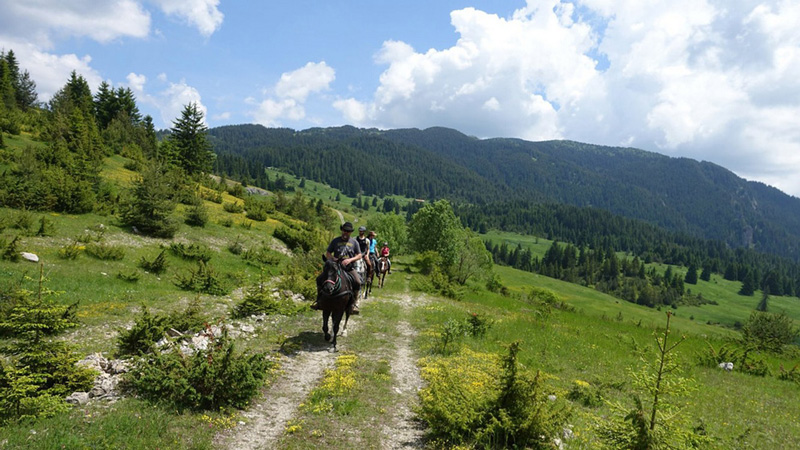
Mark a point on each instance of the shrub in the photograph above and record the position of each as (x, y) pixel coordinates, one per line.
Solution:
(226, 222)
(304, 239)
(197, 215)
(233, 207)
(38, 371)
(132, 277)
(9, 250)
(149, 206)
(210, 195)
(71, 251)
(262, 255)
(209, 379)
(192, 252)
(300, 273)
(484, 401)
(236, 246)
(259, 300)
(769, 332)
(106, 252)
(585, 394)
(205, 279)
(149, 329)
(157, 265)
(657, 419)
(46, 227)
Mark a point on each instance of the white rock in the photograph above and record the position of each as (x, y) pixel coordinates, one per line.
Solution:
(78, 398)
(552, 397)
(29, 257)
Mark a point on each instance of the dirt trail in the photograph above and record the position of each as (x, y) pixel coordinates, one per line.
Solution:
(268, 417)
(405, 431)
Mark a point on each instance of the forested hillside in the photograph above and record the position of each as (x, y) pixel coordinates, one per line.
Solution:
(700, 199)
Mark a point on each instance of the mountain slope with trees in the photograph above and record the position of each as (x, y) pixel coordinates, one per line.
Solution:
(678, 194)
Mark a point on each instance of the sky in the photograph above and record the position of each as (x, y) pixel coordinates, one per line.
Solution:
(711, 80)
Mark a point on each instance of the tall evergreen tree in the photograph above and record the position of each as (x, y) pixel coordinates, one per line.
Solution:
(190, 136)
(691, 274)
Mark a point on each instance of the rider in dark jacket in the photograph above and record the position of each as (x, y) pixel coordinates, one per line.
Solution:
(347, 251)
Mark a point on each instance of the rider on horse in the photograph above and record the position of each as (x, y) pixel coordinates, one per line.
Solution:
(385, 254)
(347, 251)
(373, 249)
(364, 243)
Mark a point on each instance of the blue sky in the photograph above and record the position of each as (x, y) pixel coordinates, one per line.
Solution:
(710, 80)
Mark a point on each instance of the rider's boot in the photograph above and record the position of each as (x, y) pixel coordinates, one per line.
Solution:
(355, 311)
(315, 305)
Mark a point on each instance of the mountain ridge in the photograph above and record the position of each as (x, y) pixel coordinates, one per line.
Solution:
(679, 194)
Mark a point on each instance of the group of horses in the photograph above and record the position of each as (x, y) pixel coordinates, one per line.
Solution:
(336, 296)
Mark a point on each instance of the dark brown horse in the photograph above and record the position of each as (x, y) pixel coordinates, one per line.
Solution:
(336, 299)
(383, 267)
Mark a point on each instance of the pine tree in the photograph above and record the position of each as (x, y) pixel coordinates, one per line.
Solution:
(748, 284)
(706, 274)
(691, 274)
(190, 136)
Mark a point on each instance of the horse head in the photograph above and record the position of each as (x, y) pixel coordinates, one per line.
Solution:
(333, 279)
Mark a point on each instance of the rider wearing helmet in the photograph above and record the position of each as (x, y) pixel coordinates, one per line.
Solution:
(363, 242)
(385, 253)
(347, 251)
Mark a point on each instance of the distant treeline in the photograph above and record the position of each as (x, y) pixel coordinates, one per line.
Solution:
(594, 237)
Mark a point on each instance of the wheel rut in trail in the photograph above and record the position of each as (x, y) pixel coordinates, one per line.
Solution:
(405, 431)
(266, 419)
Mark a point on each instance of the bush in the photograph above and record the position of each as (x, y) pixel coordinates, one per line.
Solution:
(259, 300)
(149, 329)
(205, 279)
(71, 251)
(149, 206)
(197, 215)
(37, 371)
(106, 252)
(233, 207)
(769, 332)
(192, 252)
(9, 250)
(585, 394)
(132, 277)
(483, 401)
(157, 265)
(262, 255)
(304, 239)
(209, 379)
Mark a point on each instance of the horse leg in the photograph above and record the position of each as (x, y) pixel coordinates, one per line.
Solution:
(325, 316)
(337, 319)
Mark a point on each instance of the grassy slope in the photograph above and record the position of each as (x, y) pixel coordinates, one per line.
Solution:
(604, 338)
(589, 344)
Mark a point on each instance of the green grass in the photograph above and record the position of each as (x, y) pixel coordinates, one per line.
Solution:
(602, 339)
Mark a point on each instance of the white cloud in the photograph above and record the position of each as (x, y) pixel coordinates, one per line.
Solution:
(709, 79)
(352, 110)
(38, 20)
(291, 93)
(203, 14)
(311, 78)
(50, 71)
(136, 82)
(222, 116)
(174, 99)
